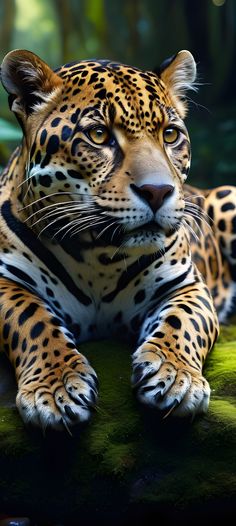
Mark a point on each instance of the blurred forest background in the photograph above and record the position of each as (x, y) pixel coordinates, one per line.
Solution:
(141, 33)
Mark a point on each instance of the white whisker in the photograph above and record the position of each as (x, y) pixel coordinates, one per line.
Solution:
(42, 198)
(195, 236)
(84, 223)
(86, 226)
(49, 214)
(28, 178)
(118, 250)
(88, 197)
(198, 210)
(193, 219)
(189, 197)
(73, 210)
(68, 206)
(115, 230)
(104, 229)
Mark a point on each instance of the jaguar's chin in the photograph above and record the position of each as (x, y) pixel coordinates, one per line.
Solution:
(149, 238)
(144, 241)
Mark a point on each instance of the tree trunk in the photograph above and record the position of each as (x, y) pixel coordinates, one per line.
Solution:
(8, 11)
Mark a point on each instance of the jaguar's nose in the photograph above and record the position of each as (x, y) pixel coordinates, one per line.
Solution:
(153, 194)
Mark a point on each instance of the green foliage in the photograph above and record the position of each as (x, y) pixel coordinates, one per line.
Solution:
(141, 33)
(8, 132)
(10, 136)
(36, 28)
(213, 137)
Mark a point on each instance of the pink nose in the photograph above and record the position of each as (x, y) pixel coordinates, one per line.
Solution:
(153, 194)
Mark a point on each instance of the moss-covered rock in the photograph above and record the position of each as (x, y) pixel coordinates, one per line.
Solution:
(128, 462)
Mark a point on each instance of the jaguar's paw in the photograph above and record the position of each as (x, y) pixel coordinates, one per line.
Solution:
(166, 384)
(63, 398)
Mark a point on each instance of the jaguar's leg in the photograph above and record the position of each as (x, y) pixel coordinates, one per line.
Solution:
(167, 366)
(56, 385)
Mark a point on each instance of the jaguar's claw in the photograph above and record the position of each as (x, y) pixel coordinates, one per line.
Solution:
(172, 407)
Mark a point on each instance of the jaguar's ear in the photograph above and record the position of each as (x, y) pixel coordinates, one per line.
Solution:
(28, 80)
(179, 75)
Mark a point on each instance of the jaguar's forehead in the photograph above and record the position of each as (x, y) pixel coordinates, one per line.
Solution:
(91, 72)
(126, 94)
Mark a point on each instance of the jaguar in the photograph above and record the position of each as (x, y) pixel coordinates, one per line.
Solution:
(101, 238)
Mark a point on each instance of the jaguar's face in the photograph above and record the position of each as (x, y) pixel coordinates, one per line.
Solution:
(112, 150)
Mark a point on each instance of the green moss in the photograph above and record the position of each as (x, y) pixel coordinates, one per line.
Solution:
(199, 480)
(115, 424)
(128, 453)
(224, 412)
(228, 332)
(220, 368)
(13, 438)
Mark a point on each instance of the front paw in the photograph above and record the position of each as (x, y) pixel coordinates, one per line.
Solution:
(63, 396)
(162, 381)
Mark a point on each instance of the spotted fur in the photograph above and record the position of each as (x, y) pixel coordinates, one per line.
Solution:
(102, 239)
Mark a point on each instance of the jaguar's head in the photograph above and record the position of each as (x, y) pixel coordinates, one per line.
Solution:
(105, 146)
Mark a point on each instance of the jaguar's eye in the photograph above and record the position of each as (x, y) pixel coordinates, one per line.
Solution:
(99, 135)
(170, 135)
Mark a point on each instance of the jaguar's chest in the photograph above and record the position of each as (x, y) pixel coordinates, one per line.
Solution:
(116, 290)
(119, 290)
(96, 291)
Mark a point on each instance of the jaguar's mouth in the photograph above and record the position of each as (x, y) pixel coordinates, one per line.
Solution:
(151, 226)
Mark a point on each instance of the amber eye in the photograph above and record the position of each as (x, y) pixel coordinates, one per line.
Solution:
(170, 135)
(99, 135)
